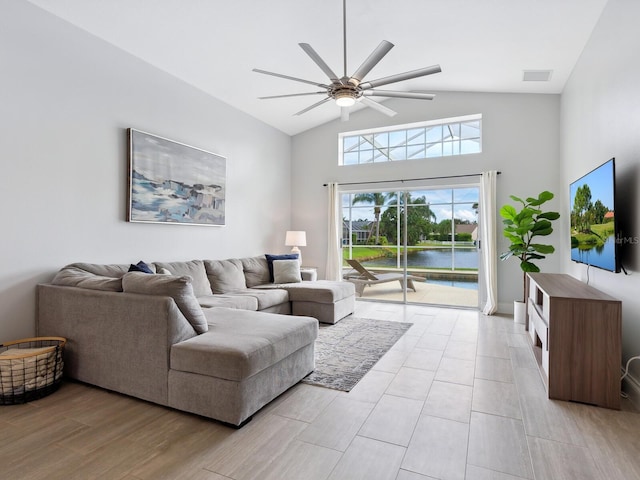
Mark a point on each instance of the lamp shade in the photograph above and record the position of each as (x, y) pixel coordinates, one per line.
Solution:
(296, 238)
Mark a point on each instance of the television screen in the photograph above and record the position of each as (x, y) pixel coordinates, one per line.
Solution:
(593, 222)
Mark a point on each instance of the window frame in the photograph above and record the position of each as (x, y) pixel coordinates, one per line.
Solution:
(385, 147)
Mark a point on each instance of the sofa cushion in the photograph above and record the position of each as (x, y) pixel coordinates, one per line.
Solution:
(195, 269)
(177, 287)
(225, 275)
(266, 298)
(71, 276)
(286, 271)
(243, 302)
(240, 343)
(256, 271)
(271, 258)
(320, 291)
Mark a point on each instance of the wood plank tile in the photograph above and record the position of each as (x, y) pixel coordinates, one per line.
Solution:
(454, 370)
(496, 398)
(368, 459)
(391, 361)
(446, 444)
(433, 341)
(411, 383)
(247, 453)
(424, 359)
(612, 438)
(301, 461)
(499, 443)
(550, 419)
(371, 387)
(450, 401)
(478, 473)
(393, 420)
(305, 402)
(337, 424)
(494, 368)
(561, 461)
(407, 475)
(522, 357)
(461, 350)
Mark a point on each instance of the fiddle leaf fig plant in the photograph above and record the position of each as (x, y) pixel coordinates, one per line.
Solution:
(521, 226)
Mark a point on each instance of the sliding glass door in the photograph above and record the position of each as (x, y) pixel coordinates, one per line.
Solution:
(414, 246)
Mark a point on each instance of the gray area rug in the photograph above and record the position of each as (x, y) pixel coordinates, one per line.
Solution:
(347, 350)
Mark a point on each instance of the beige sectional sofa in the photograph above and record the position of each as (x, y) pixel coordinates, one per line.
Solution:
(213, 337)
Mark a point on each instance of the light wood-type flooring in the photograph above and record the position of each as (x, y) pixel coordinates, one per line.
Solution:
(458, 397)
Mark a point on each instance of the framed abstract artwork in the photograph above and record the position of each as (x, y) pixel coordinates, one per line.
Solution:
(170, 182)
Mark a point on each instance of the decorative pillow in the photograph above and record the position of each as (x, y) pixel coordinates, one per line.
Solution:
(225, 275)
(286, 271)
(163, 271)
(194, 269)
(140, 267)
(177, 287)
(271, 258)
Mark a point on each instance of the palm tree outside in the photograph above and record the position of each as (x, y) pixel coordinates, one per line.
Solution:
(378, 200)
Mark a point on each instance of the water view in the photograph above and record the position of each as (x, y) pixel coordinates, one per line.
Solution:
(437, 258)
(466, 258)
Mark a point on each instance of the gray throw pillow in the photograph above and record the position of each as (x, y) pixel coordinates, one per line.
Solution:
(286, 271)
(177, 287)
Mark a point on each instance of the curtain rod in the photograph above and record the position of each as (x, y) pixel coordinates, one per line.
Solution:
(412, 179)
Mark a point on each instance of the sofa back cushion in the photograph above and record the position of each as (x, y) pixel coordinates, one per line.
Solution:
(225, 275)
(256, 271)
(195, 269)
(177, 287)
(74, 276)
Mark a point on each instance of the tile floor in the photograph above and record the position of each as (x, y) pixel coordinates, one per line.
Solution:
(458, 397)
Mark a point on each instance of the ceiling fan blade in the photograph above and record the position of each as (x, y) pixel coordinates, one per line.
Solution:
(344, 114)
(371, 61)
(421, 72)
(377, 106)
(321, 63)
(313, 106)
(291, 95)
(394, 94)
(290, 78)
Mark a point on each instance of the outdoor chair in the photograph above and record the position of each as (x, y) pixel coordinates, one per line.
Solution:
(362, 277)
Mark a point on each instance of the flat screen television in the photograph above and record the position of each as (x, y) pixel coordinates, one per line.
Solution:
(593, 221)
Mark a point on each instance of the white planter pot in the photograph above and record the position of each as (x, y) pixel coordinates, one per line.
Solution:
(519, 312)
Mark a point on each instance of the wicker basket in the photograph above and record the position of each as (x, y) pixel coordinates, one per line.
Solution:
(30, 368)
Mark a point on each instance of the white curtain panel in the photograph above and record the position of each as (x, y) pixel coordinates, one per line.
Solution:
(488, 250)
(333, 269)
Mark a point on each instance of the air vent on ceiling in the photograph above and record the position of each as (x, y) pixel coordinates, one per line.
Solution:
(536, 75)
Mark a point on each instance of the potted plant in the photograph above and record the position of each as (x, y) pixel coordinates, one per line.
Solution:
(521, 226)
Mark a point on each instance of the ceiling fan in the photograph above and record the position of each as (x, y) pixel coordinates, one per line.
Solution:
(345, 90)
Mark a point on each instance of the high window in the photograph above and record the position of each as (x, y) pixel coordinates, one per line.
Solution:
(435, 138)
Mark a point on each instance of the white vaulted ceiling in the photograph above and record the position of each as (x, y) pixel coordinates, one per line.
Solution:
(481, 45)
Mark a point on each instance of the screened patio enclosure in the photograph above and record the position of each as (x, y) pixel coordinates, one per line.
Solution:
(427, 234)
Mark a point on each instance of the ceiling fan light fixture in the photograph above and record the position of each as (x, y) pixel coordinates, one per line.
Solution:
(344, 99)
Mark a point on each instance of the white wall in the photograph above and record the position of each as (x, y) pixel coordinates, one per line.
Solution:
(66, 100)
(600, 116)
(520, 139)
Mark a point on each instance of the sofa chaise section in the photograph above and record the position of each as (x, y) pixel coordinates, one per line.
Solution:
(244, 361)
